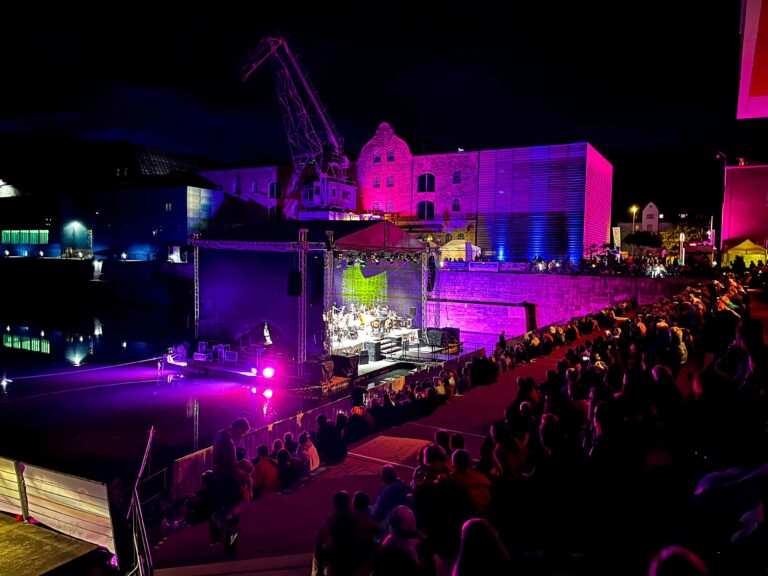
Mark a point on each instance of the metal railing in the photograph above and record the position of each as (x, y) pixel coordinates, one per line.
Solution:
(142, 555)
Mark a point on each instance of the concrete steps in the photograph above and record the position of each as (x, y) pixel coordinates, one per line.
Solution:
(292, 565)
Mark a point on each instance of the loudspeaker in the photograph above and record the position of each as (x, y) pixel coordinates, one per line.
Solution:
(294, 283)
(453, 335)
(431, 273)
(373, 347)
(345, 365)
(435, 336)
(363, 356)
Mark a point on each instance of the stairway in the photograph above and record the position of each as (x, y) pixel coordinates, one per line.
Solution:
(391, 346)
(294, 565)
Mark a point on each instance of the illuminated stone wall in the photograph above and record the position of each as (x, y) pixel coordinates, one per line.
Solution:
(482, 304)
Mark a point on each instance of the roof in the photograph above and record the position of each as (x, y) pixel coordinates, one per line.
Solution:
(746, 247)
(381, 237)
(288, 230)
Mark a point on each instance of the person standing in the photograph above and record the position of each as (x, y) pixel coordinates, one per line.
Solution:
(502, 342)
(227, 479)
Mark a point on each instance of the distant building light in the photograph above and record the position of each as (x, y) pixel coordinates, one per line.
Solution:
(661, 216)
(41, 253)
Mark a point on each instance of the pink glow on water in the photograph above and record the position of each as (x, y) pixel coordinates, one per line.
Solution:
(268, 372)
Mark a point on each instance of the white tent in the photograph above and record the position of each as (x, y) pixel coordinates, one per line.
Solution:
(748, 250)
(459, 250)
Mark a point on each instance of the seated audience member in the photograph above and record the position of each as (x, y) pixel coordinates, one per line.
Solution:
(677, 561)
(400, 553)
(394, 493)
(289, 443)
(476, 484)
(481, 551)
(289, 470)
(264, 478)
(308, 453)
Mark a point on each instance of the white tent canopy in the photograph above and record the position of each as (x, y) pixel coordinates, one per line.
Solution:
(750, 251)
(458, 250)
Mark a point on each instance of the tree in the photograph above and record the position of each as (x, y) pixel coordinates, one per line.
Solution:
(670, 238)
(643, 238)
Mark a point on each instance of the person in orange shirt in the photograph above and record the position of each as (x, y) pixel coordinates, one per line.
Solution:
(264, 478)
(476, 484)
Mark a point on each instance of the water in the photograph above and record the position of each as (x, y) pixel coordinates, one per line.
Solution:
(81, 400)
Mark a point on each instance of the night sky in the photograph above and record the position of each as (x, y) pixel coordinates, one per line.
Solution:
(653, 85)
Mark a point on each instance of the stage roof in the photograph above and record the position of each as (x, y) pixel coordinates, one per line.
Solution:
(382, 237)
(288, 230)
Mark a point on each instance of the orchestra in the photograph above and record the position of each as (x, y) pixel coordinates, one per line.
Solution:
(354, 321)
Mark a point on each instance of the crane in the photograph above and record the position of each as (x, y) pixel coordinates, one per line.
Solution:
(317, 149)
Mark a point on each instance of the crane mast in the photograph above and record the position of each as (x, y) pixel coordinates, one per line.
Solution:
(317, 149)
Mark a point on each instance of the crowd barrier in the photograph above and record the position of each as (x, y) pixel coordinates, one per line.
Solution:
(187, 472)
(74, 506)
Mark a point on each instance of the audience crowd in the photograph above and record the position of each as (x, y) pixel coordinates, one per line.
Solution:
(641, 451)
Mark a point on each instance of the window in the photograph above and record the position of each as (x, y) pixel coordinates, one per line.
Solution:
(24, 237)
(457, 177)
(274, 189)
(390, 181)
(390, 206)
(426, 182)
(426, 210)
(390, 155)
(275, 213)
(650, 217)
(168, 207)
(254, 188)
(334, 192)
(307, 194)
(448, 238)
(460, 236)
(376, 157)
(377, 206)
(376, 182)
(456, 206)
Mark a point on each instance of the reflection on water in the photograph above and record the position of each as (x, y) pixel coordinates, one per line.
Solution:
(27, 348)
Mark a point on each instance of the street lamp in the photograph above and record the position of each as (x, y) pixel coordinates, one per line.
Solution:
(634, 208)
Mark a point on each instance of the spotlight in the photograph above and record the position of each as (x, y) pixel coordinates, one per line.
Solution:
(268, 372)
(41, 253)
(253, 390)
(123, 256)
(268, 393)
(254, 370)
(6, 253)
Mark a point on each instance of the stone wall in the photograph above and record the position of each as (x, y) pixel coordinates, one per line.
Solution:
(482, 304)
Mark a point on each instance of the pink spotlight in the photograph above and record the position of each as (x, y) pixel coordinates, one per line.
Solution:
(253, 390)
(268, 372)
(268, 393)
(255, 370)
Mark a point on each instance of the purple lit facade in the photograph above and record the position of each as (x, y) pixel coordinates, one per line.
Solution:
(516, 203)
(745, 206)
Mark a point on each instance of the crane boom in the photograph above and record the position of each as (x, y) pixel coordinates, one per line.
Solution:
(317, 149)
